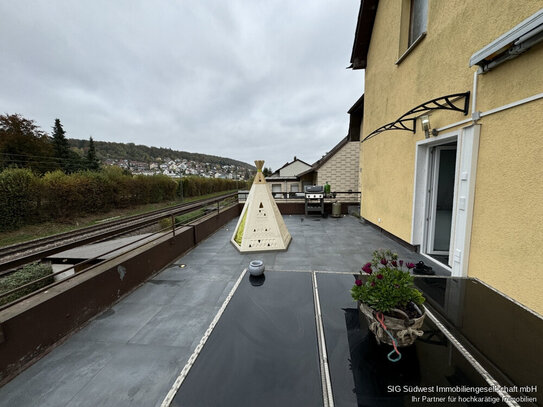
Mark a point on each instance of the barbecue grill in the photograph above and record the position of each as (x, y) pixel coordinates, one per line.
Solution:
(314, 199)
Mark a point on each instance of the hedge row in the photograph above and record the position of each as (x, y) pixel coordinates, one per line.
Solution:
(197, 186)
(26, 198)
(27, 274)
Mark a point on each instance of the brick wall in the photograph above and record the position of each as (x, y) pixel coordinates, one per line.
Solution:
(341, 171)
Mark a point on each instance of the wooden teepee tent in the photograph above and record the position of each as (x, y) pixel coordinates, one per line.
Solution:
(260, 226)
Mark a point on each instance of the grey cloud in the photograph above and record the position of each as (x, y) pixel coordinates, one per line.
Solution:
(243, 79)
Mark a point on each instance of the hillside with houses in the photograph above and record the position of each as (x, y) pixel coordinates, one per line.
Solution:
(139, 159)
(182, 167)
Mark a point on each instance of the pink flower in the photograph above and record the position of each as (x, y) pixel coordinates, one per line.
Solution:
(358, 282)
(380, 276)
(401, 263)
(394, 263)
(367, 268)
(410, 265)
(384, 262)
(372, 283)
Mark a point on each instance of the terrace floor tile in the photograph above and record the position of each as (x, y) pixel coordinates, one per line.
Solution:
(132, 353)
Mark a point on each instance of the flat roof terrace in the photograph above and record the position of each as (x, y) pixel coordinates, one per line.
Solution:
(133, 353)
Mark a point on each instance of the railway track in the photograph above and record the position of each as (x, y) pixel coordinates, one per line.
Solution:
(22, 253)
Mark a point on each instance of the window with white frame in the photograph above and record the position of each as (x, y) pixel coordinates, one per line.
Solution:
(417, 19)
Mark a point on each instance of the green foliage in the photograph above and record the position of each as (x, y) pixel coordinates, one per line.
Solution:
(25, 145)
(187, 217)
(60, 195)
(66, 196)
(239, 232)
(164, 223)
(93, 163)
(19, 197)
(386, 285)
(154, 188)
(382, 254)
(27, 198)
(267, 171)
(27, 274)
(197, 186)
(394, 290)
(60, 146)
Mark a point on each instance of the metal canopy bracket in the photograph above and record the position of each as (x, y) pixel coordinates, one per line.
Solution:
(458, 102)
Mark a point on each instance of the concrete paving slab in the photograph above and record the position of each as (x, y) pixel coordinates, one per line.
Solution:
(55, 379)
(293, 263)
(202, 292)
(120, 323)
(157, 292)
(132, 353)
(173, 272)
(174, 325)
(136, 376)
(330, 262)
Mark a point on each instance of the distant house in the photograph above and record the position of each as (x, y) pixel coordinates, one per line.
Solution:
(169, 173)
(287, 178)
(340, 166)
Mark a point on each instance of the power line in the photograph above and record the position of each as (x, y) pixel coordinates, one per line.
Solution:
(76, 167)
(43, 157)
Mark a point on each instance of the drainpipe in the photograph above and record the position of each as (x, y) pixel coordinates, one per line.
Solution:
(475, 115)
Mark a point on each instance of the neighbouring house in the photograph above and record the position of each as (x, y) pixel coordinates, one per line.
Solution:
(288, 179)
(451, 151)
(340, 166)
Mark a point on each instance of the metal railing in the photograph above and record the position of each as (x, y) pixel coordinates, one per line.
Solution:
(345, 196)
(195, 211)
(22, 253)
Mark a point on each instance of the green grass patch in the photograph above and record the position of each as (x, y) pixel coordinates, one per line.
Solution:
(239, 232)
(25, 275)
(190, 216)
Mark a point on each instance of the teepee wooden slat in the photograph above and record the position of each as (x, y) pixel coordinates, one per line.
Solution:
(260, 226)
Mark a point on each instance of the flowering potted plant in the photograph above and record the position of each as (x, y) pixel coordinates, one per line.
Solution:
(389, 300)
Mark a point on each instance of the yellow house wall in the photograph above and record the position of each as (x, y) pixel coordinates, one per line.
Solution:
(510, 157)
(507, 231)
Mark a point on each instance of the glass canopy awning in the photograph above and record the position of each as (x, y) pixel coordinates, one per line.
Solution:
(458, 102)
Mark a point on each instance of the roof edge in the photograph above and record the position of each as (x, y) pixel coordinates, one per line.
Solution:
(327, 156)
(358, 106)
(362, 36)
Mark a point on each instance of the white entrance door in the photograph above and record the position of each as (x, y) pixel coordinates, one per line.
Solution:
(431, 155)
(441, 200)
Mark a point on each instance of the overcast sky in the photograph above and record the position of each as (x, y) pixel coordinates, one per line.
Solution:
(245, 79)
